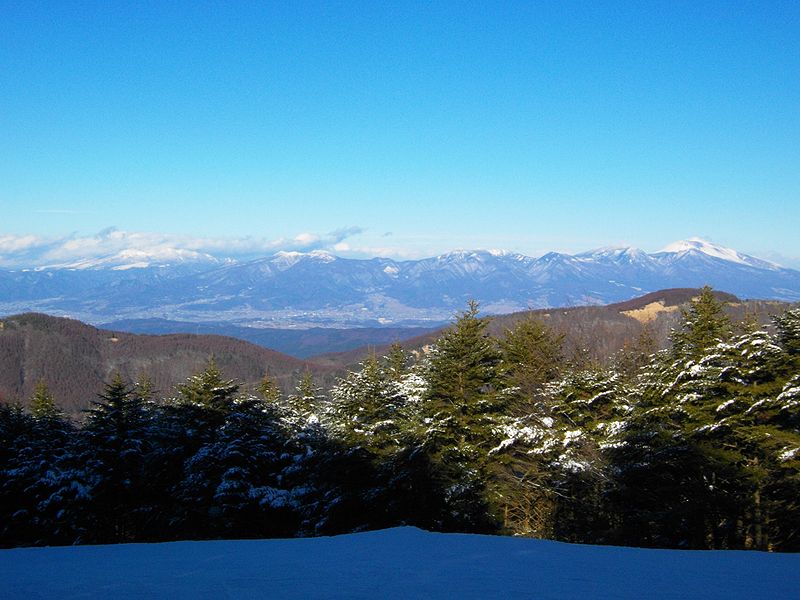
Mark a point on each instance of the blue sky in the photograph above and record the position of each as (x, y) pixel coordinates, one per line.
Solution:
(420, 127)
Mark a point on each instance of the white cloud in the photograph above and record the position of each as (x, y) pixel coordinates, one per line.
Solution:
(17, 243)
(115, 245)
(306, 238)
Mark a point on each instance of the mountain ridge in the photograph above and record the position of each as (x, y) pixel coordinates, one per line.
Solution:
(320, 289)
(76, 359)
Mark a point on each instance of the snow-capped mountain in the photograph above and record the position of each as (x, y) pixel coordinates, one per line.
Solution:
(695, 247)
(296, 288)
(134, 258)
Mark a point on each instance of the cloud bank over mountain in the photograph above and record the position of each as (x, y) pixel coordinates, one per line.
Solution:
(117, 246)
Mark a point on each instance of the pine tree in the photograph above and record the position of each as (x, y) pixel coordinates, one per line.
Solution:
(460, 411)
(306, 400)
(532, 356)
(788, 326)
(144, 388)
(269, 390)
(396, 362)
(43, 405)
(706, 446)
(704, 325)
(118, 436)
(208, 389)
(633, 357)
(234, 484)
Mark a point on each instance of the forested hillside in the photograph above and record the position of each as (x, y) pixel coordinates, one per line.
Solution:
(75, 359)
(593, 333)
(693, 446)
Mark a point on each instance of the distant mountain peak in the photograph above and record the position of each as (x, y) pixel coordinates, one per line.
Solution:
(288, 258)
(613, 251)
(462, 254)
(139, 258)
(696, 244)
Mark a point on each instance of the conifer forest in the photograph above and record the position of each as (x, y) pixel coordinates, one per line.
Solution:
(696, 446)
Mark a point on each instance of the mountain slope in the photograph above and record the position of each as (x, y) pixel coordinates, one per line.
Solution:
(592, 333)
(75, 359)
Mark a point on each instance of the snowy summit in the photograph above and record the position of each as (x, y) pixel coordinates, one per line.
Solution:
(696, 244)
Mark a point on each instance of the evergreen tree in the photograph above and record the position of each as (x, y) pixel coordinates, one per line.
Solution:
(234, 484)
(532, 356)
(208, 389)
(144, 388)
(396, 362)
(269, 390)
(43, 405)
(118, 435)
(42, 486)
(368, 478)
(460, 420)
(788, 326)
(633, 357)
(704, 325)
(704, 448)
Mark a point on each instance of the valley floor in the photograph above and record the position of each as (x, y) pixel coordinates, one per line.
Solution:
(394, 563)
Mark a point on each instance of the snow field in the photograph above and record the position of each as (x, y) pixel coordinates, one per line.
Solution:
(393, 563)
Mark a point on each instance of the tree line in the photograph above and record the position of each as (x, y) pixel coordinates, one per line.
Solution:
(696, 446)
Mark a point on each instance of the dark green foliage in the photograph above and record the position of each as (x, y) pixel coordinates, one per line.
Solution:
(532, 356)
(463, 375)
(231, 485)
(42, 486)
(43, 405)
(704, 326)
(459, 419)
(788, 326)
(269, 390)
(701, 452)
(397, 362)
(117, 431)
(697, 446)
(373, 476)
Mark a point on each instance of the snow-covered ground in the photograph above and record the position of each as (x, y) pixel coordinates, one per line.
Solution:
(394, 563)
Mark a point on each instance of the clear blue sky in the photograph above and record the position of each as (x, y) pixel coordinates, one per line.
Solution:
(528, 126)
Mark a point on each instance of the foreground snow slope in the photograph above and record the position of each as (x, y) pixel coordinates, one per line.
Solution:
(394, 563)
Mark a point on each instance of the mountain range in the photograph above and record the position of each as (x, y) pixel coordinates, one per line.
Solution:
(301, 290)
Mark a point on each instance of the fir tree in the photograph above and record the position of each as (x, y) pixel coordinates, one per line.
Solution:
(460, 410)
(396, 362)
(704, 325)
(269, 390)
(208, 389)
(532, 356)
(788, 326)
(144, 388)
(43, 405)
(117, 430)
